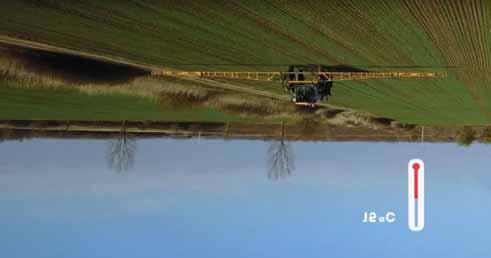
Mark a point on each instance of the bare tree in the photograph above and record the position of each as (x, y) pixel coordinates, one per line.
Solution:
(121, 152)
(280, 159)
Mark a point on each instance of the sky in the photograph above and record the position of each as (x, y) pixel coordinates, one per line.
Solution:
(213, 198)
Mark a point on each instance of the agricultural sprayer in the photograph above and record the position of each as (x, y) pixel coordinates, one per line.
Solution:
(308, 84)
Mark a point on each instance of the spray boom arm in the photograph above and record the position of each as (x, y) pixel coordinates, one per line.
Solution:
(308, 76)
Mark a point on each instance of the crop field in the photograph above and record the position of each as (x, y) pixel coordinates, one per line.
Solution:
(66, 104)
(269, 35)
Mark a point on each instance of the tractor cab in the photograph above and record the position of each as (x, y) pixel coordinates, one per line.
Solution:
(307, 85)
(305, 95)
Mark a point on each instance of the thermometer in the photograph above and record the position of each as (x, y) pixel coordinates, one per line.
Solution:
(416, 194)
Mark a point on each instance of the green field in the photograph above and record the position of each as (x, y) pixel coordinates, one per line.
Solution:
(65, 104)
(268, 35)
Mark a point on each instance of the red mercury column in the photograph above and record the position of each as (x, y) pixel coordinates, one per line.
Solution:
(416, 169)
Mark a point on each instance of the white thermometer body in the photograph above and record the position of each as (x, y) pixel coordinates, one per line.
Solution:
(416, 194)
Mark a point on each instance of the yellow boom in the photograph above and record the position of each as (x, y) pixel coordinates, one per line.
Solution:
(309, 76)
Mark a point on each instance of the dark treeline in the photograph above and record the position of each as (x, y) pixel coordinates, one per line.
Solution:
(306, 131)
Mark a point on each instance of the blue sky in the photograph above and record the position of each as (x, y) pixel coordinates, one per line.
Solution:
(212, 198)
